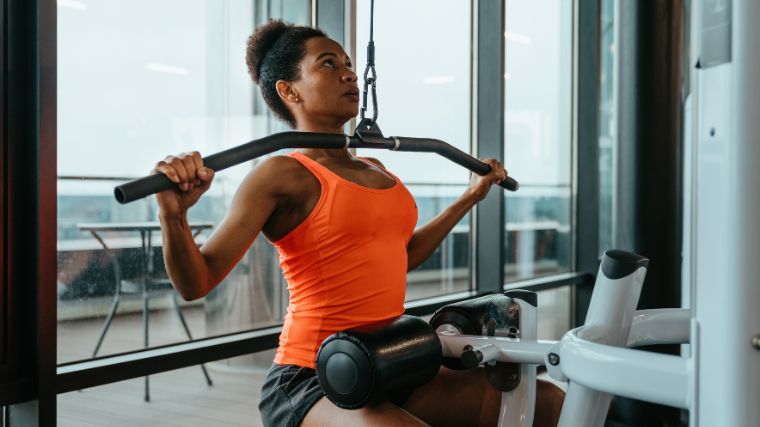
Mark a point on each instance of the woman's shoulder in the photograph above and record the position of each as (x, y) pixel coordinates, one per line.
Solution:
(280, 166)
(280, 173)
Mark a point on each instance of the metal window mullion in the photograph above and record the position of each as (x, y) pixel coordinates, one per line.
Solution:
(336, 18)
(488, 120)
(587, 151)
(330, 17)
(349, 43)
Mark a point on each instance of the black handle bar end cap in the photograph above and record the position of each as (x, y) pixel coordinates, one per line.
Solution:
(118, 193)
(510, 184)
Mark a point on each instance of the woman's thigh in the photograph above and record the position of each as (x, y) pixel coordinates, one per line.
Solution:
(325, 414)
(466, 398)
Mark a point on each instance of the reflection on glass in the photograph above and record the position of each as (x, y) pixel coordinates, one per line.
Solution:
(447, 269)
(538, 240)
(424, 93)
(553, 313)
(538, 85)
(128, 96)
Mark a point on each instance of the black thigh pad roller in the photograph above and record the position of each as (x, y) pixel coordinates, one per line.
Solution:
(368, 363)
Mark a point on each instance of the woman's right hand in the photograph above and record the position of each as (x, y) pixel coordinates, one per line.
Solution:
(192, 179)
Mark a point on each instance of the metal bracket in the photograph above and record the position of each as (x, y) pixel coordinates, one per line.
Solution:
(368, 131)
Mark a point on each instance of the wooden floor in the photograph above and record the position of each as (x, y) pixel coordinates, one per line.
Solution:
(77, 338)
(178, 398)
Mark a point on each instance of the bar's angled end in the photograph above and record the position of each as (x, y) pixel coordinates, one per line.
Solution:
(118, 193)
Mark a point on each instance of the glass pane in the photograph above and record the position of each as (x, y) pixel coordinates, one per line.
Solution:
(538, 103)
(177, 398)
(553, 313)
(424, 93)
(128, 95)
(607, 126)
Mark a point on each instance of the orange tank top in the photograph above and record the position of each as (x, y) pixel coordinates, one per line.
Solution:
(345, 264)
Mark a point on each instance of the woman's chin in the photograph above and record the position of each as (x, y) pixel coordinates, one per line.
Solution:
(350, 115)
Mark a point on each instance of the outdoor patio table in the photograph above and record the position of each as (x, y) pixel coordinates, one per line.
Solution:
(147, 282)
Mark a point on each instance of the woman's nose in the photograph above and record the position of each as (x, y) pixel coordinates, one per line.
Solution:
(350, 76)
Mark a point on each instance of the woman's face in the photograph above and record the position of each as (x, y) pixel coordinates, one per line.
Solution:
(327, 90)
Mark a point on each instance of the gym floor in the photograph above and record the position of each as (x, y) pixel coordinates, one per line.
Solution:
(178, 398)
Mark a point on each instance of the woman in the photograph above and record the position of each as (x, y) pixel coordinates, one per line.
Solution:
(345, 230)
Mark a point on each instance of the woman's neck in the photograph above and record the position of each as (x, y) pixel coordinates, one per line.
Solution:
(335, 153)
(332, 153)
(318, 152)
(319, 128)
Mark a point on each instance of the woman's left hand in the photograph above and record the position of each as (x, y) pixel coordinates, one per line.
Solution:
(479, 185)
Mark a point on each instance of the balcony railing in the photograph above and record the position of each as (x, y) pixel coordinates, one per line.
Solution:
(86, 276)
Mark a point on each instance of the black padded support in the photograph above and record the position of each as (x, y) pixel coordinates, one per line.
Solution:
(369, 363)
(528, 296)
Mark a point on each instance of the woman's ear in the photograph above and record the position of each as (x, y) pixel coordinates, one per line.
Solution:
(287, 92)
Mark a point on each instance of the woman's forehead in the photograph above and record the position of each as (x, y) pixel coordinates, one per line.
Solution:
(317, 46)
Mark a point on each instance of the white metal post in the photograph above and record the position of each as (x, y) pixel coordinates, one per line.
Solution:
(518, 406)
(608, 321)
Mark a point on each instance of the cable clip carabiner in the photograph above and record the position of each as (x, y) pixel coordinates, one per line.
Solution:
(369, 80)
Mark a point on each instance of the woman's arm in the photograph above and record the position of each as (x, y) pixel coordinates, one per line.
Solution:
(427, 238)
(194, 271)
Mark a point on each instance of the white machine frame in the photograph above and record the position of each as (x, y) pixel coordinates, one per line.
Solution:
(593, 358)
(717, 378)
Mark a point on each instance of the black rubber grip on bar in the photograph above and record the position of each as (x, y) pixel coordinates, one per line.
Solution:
(454, 154)
(152, 184)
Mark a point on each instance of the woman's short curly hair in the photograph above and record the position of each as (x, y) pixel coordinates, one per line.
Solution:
(274, 52)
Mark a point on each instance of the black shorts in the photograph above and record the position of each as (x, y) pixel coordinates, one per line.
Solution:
(290, 391)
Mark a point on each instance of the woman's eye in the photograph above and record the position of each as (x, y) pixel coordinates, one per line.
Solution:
(329, 63)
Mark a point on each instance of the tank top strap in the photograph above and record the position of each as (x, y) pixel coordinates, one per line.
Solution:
(323, 174)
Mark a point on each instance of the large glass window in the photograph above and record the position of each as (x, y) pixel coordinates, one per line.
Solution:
(538, 137)
(538, 150)
(138, 81)
(424, 91)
